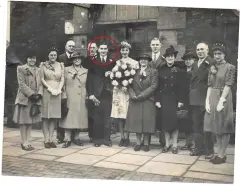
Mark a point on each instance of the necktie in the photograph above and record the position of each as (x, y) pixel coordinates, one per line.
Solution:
(155, 58)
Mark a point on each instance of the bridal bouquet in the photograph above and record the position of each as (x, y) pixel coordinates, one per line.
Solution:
(122, 75)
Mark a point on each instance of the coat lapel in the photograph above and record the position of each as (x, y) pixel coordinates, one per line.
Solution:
(137, 78)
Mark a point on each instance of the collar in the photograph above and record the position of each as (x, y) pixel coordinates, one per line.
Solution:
(105, 57)
(143, 68)
(157, 55)
(68, 54)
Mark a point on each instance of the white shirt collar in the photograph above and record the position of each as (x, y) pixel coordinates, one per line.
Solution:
(143, 68)
(68, 54)
(200, 61)
(157, 55)
(105, 58)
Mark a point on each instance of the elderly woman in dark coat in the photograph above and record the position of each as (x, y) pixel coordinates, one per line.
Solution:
(169, 99)
(28, 100)
(141, 116)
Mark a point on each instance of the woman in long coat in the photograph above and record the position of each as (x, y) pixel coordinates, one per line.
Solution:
(219, 106)
(75, 94)
(141, 116)
(52, 76)
(169, 98)
(185, 124)
(28, 100)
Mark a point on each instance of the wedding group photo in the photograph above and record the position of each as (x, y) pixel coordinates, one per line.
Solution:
(121, 92)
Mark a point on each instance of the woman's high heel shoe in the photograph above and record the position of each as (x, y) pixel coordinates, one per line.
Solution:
(66, 144)
(25, 147)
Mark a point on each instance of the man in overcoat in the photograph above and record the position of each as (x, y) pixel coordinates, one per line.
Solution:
(198, 89)
(65, 58)
(100, 93)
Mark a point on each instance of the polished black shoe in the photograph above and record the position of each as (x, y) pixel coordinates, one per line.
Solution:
(31, 148)
(174, 150)
(186, 147)
(60, 141)
(66, 144)
(137, 148)
(218, 160)
(47, 145)
(77, 142)
(210, 156)
(195, 152)
(126, 142)
(146, 148)
(53, 145)
(27, 148)
(166, 149)
(121, 143)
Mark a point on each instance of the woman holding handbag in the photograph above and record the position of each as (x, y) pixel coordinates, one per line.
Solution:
(28, 100)
(75, 95)
(52, 76)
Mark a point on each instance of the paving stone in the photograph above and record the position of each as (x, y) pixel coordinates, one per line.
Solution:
(184, 152)
(83, 159)
(128, 159)
(209, 176)
(100, 151)
(127, 167)
(161, 168)
(57, 151)
(173, 158)
(207, 167)
(13, 133)
(152, 152)
(14, 151)
(86, 145)
(229, 150)
(6, 144)
(40, 156)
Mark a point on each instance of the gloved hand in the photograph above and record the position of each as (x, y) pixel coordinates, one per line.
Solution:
(220, 105)
(158, 105)
(207, 106)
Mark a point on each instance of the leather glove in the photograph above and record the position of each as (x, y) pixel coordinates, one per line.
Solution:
(220, 105)
(207, 106)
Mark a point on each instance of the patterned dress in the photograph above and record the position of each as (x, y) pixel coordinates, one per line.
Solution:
(54, 77)
(120, 100)
(220, 122)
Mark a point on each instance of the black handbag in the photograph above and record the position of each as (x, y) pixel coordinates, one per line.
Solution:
(64, 108)
(35, 109)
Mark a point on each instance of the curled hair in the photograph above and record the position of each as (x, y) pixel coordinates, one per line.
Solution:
(125, 44)
(53, 49)
(220, 46)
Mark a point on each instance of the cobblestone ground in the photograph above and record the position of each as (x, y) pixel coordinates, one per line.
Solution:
(115, 163)
(14, 166)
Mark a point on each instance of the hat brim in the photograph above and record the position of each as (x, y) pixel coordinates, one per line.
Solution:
(167, 54)
(77, 56)
(189, 56)
(149, 58)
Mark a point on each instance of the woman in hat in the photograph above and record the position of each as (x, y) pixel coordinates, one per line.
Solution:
(141, 116)
(169, 98)
(185, 124)
(52, 76)
(75, 95)
(219, 106)
(121, 97)
(28, 100)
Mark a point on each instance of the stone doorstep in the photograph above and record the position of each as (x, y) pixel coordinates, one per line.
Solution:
(209, 176)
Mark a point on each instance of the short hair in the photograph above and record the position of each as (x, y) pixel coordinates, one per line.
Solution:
(71, 40)
(156, 38)
(103, 43)
(125, 44)
(202, 42)
(91, 43)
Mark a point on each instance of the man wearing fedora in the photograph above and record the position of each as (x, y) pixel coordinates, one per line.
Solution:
(100, 93)
(198, 90)
(156, 63)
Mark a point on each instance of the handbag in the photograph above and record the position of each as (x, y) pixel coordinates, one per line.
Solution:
(35, 109)
(64, 108)
(182, 114)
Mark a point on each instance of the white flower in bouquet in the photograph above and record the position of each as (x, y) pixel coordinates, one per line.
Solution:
(118, 74)
(115, 69)
(125, 83)
(144, 73)
(111, 76)
(124, 66)
(133, 72)
(127, 73)
(124, 89)
(114, 83)
(130, 81)
(107, 73)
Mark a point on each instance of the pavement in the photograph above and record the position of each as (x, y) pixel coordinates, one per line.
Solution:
(116, 163)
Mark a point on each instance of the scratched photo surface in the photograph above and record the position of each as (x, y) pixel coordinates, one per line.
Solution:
(120, 92)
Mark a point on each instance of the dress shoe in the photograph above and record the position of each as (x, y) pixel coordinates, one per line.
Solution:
(195, 152)
(60, 141)
(27, 148)
(174, 150)
(218, 160)
(166, 149)
(186, 147)
(77, 142)
(137, 148)
(146, 148)
(53, 145)
(47, 145)
(126, 142)
(31, 148)
(66, 144)
(121, 143)
(97, 145)
(90, 140)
